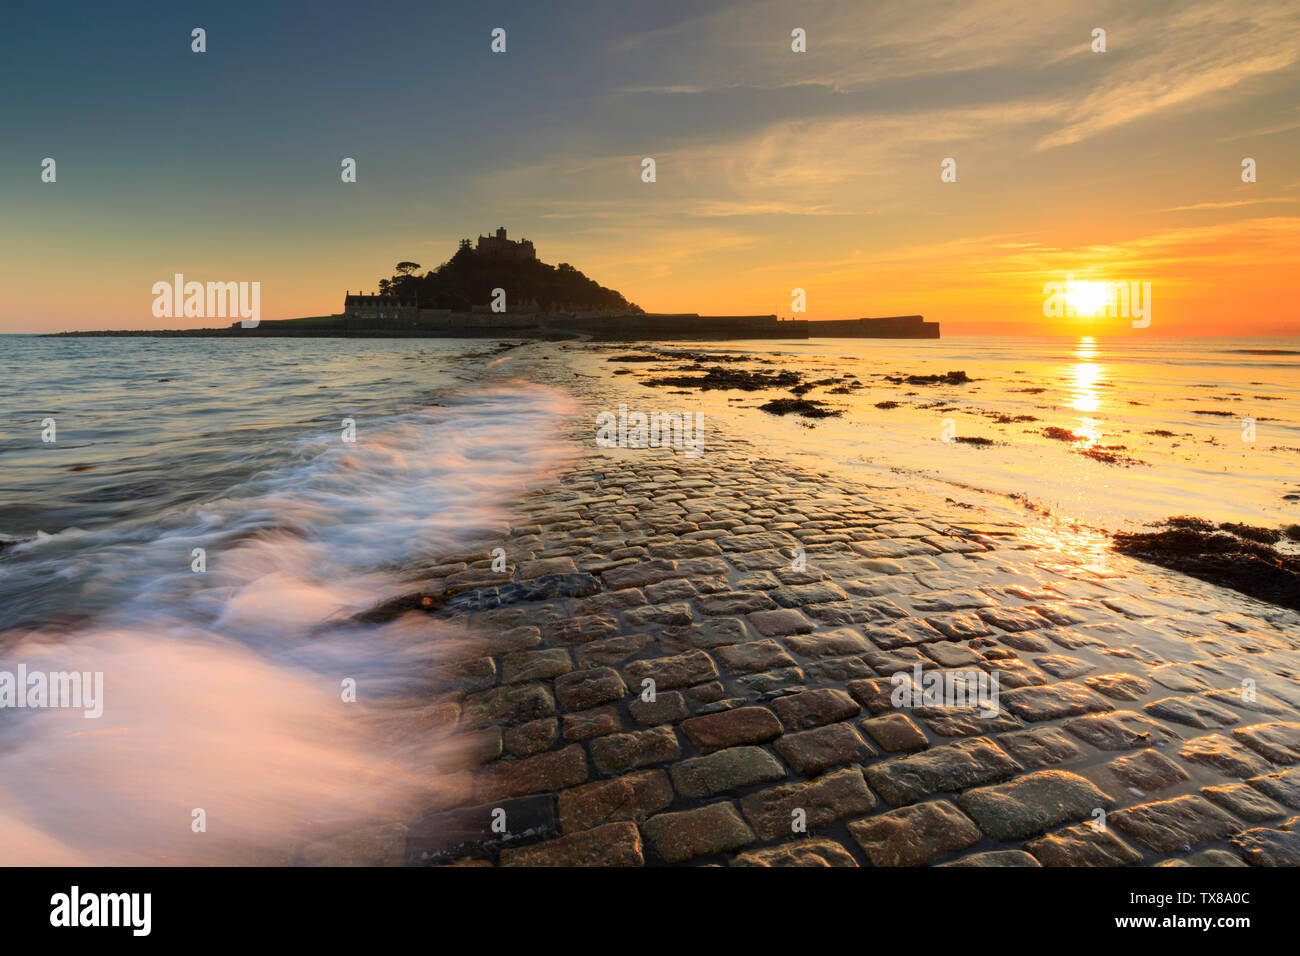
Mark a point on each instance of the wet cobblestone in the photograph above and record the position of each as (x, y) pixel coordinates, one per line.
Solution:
(692, 659)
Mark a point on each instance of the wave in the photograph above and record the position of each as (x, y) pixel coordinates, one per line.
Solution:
(222, 690)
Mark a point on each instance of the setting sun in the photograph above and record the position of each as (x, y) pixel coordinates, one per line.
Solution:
(1088, 298)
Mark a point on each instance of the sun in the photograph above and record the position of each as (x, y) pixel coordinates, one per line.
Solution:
(1087, 298)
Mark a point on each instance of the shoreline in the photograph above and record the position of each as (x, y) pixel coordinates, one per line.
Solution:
(1121, 687)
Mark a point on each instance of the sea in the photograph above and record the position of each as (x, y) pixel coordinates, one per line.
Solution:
(199, 520)
(1202, 427)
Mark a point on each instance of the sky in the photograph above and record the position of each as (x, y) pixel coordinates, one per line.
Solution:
(775, 170)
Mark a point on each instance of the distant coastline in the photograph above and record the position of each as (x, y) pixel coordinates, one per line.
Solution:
(638, 326)
(466, 297)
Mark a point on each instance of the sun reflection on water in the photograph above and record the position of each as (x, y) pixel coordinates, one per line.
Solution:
(1072, 545)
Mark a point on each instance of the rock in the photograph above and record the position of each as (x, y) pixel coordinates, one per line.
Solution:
(1063, 667)
(1170, 824)
(553, 770)
(743, 725)
(950, 768)
(1013, 619)
(1040, 747)
(779, 623)
(820, 592)
(679, 670)
(1206, 858)
(953, 627)
(813, 708)
(832, 643)
(895, 733)
(706, 693)
(1032, 803)
(768, 560)
(814, 851)
(676, 613)
(515, 703)
(611, 650)
(1279, 742)
(767, 683)
(1225, 755)
(725, 770)
(838, 670)
(965, 721)
(952, 655)
(876, 694)
(532, 737)
(734, 602)
(618, 752)
(476, 674)
(579, 690)
(686, 549)
(614, 844)
(535, 665)
(810, 752)
(1081, 845)
(1244, 801)
(1120, 730)
(514, 639)
(832, 796)
(1193, 712)
(996, 858)
(1283, 786)
(1119, 686)
(1050, 701)
(678, 589)
(704, 831)
(528, 570)
(1147, 770)
(585, 724)
(633, 796)
(1265, 847)
(667, 708)
(639, 575)
(915, 835)
(582, 629)
(753, 656)
(707, 634)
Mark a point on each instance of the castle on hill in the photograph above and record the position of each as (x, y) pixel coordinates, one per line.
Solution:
(572, 304)
(499, 247)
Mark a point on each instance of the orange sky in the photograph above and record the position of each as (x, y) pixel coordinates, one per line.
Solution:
(775, 170)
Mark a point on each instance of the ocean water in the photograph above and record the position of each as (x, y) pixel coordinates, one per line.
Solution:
(223, 688)
(1208, 427)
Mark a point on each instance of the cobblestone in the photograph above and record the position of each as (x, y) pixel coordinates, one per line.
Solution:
(774, 686)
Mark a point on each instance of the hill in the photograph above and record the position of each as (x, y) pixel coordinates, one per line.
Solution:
(468, 278)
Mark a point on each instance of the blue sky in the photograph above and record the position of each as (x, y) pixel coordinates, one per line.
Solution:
(776, 169)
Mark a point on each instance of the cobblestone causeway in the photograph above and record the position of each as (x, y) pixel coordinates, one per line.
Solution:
(1144, 718)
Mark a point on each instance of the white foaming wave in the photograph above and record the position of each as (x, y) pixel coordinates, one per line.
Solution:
(222, 691)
